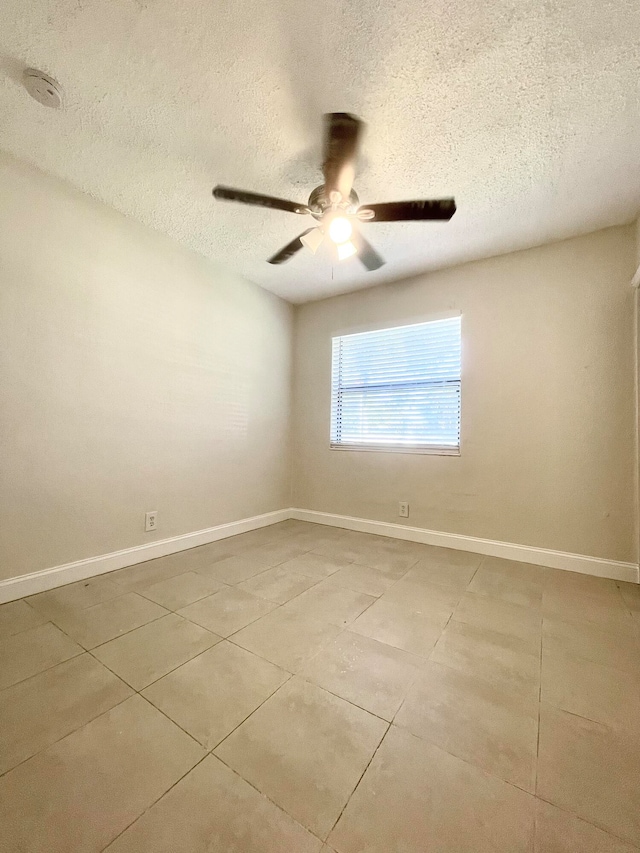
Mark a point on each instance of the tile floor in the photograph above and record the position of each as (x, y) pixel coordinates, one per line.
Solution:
(303, 688)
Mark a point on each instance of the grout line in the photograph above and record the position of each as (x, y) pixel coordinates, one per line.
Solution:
(182, 606)
(164, 714)
(46, 668)
(616, 732)
(5, 637)
(266, 796)
(122, 634)
(67, 734)
(212, 749)
(348, 800)
(342, 698)
(151, 805)
(606, 830)
(535, 776)
(477, 767)
(188, 660)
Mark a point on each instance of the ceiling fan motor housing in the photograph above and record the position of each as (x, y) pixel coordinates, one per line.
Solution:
(319, 203)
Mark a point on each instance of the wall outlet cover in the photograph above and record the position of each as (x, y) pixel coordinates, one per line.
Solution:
(151, 520)
(403, 509)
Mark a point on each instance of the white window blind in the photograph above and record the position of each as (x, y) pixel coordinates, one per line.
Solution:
(398, 389)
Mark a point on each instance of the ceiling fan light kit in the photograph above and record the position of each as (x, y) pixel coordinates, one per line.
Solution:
(346, 250)
(335, 204)
(313, 239)
(340, 229)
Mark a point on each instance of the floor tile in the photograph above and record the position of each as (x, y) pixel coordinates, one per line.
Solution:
(613, 618)
(576, 583)
(392, 560)
(321, 537)
(39, 711)
(96, 625)
(416, 797)
(316, 565)
(275, 553)
(590, 770)
(504, 661)
(213, 693)
(484, 611)
(74, 596)
(205, 555)
(432, 555)
(16, 616)
(347, 549)
(146, 654)
(234, 570)
(600, 693)
(227, 611)
(514, 569)
(513, 583)
(319, 541)
(558, 831)
(630, 593)
(105, 775)
(34, 650)
(363, 671)
(306, 750)
(399, 626)
(470, 718)
(254, 538)
(139, 577)
(464, 699)
(330, 603)
(174, 593)
(286, 637)
(362, 579)
(213, 810)
(456, 576)
(278, 584)
(418, 594)
(297, 526)
(587, 641)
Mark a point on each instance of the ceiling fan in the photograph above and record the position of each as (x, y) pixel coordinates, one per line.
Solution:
(335, 204)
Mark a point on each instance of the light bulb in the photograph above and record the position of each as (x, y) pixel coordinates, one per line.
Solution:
(340, 229)
(346, 250)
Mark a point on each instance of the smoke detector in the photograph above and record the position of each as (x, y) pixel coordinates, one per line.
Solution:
(43, 88)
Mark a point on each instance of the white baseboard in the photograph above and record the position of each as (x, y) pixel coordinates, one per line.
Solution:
(490, 548)
(34, 582)
(30, 584)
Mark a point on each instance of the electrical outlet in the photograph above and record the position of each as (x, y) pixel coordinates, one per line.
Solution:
(403, 509)
(151, 520)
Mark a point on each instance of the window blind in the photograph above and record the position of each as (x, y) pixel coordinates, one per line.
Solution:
(398, 389)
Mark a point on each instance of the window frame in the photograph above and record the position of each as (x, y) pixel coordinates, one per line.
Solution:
(426, 450)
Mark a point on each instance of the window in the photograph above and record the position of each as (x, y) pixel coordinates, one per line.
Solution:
(398, 389)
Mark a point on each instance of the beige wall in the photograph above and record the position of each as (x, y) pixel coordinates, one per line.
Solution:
(134, 376)
(548, 451)
(637, 388)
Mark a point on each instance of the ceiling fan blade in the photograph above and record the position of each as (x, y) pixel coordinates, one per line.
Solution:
(244, 197)
(342, 131)
(290, 249)
(402, 211)
(366, 253)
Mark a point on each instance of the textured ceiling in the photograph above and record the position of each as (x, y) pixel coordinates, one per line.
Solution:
(527, 111)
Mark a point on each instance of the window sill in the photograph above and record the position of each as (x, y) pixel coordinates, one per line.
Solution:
(385, 448)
